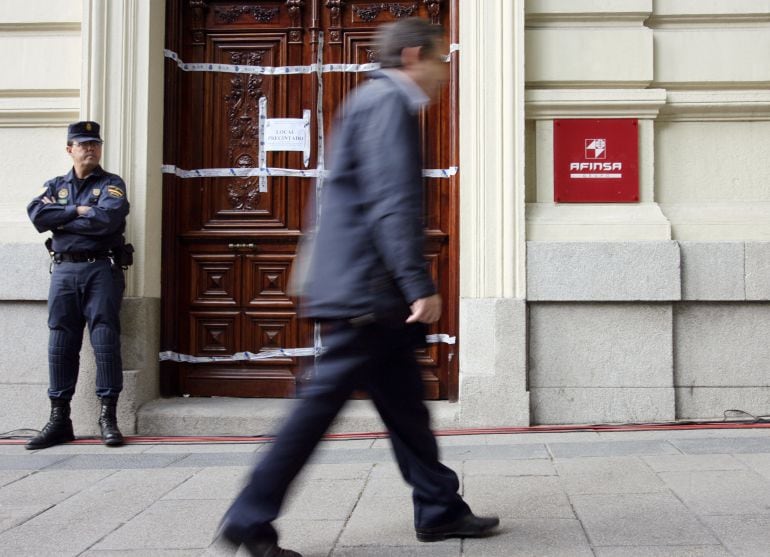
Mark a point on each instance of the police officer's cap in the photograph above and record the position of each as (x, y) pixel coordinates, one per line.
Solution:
(83, 131)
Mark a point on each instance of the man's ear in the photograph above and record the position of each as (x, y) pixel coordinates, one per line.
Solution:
(410, 56)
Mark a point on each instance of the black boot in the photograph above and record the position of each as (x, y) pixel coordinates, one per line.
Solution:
(108, 422)
(58, 429)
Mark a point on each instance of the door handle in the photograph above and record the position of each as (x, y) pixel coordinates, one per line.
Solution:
(241, 245)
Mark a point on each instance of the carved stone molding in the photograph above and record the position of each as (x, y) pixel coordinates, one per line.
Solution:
(434, 9)
(233, 13)
(371, 12)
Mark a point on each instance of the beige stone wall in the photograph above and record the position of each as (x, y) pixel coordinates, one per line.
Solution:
(39, 94)
(696, 74)
(71, 60)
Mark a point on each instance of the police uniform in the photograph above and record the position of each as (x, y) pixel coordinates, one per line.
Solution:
(87, 280)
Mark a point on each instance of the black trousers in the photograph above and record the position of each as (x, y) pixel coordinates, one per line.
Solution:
(87, 293)
(380, 360)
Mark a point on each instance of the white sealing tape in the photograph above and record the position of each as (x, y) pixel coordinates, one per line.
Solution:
(239, 356)
(248, 172)
(169, 356)
(267, 70)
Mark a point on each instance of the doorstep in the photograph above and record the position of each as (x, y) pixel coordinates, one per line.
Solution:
(195, 416)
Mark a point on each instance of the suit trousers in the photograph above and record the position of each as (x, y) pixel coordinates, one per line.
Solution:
(380, 360)
(85, 293)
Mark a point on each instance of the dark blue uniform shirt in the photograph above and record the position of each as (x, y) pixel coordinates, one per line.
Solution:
(98, 231)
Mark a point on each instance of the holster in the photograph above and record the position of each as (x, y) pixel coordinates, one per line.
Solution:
(123, 255)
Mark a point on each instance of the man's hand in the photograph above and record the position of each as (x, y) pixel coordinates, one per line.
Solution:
(426, 310)
(83, 210)
(47, 200)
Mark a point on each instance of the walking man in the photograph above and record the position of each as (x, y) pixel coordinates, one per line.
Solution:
(86, 211)
(368, 286)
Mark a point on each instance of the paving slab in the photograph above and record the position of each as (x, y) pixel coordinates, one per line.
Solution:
(80, 521)
(30, 461)
(444, 549)
(517, 497)
(322, 500)
(311, 538)
(50, 487)
(13, 515)
(526, 538)
(115, 461)
(608, 475)
(393, 488)
(10, 476)
(639, 519)
(358, 471)
(682, 463)
(200, 460)
(192, 448)
(143, 553)
(494, 452)
(545, 437)
(760, 463)
(721, 492)
(612, 448)
(503, 468)
(167, 525)
(381, 521)
(724, 445)
(347, 456)
(93, 448)
(744, 536)
(720, 432)
(211, 483)
(664, 551)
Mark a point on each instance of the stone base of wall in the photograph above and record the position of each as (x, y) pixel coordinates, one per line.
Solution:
(24, 367)
(493, 344)
(638, 332)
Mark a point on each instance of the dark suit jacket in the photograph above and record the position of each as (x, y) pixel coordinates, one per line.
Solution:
(368, 253)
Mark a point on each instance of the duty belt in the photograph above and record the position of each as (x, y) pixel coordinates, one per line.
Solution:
(81, 257)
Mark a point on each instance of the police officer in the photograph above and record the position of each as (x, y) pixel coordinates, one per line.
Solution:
(86, 211)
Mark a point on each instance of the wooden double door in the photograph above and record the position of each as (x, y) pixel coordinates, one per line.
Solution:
(228, 248)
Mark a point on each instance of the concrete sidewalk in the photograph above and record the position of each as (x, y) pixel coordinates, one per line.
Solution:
(699, 493)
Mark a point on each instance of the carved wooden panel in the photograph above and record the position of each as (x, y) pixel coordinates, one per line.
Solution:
(214, 333)
(270, 331)
(234, 118)
(213, 280)
(266, 280)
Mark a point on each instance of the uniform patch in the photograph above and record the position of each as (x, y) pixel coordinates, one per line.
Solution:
(115, 191)
(63, 193)
(96, 192)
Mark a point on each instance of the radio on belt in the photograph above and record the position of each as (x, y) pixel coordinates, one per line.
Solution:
(596, 161)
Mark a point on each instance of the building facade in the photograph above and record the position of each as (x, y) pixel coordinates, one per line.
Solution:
(650, 310)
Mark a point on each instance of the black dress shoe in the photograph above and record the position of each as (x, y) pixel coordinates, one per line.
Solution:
(255, 548)
(467, 526)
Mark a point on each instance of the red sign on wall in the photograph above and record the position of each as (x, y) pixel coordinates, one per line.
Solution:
(596, 161)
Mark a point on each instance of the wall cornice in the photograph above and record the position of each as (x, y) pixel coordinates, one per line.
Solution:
(38, 108)
(716, 105)
(546, 104)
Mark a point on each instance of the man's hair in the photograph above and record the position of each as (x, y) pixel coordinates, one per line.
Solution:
(406, 33)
